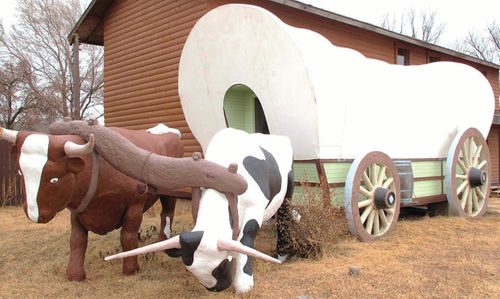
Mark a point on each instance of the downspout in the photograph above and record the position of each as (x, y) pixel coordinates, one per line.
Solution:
(75, 72)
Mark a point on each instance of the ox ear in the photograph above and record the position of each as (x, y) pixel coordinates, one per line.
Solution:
(75, 164)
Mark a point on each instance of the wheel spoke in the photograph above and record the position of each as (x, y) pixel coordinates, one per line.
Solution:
(471, 150)
(465, 153)
(373, 174)
(475, 203)
(367, 182)
(462, 165)
(388, 183)
(383, 219)
(365, 192)
(365, 213)
(469, 203)
(381, 175)
(461, 176)
(481, 165)
(481, 194)
(477, 155)
(464, 197)
(376, 224)
(364, 203)
(462, 186)
(369, 222)
(389, 211)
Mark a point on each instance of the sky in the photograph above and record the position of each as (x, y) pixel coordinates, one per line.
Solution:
(460, 16)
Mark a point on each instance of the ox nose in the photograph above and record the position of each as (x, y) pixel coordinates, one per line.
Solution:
(224, 276)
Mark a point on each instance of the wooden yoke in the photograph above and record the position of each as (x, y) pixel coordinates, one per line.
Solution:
(164, 173)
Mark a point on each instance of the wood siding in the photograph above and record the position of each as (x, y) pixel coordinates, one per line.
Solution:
(143, 41)
(493, 144)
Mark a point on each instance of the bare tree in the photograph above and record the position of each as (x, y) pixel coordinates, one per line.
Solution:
(423, 25)
(39, 42)
(483, 45)
(14, 101)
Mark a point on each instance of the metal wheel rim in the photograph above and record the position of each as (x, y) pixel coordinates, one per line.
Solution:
(468, 149)
(366, 174)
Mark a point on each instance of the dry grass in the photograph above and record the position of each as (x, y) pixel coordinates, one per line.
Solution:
(424, 258)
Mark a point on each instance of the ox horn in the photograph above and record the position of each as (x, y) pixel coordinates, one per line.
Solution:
(163, 245)
(235, 246)
(8, 135)
(71, 148)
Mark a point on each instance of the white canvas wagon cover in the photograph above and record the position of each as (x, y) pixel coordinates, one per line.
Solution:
(333, 102)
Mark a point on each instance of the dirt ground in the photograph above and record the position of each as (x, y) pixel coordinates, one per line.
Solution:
(439, 257)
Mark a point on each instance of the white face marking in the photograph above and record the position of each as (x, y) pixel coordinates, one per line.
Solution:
(34, 155)
(167, 229)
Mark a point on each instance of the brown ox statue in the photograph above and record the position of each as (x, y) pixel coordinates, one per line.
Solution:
(62, 171)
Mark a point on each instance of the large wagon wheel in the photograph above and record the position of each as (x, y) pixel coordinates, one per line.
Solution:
(467, 174)
(372, 196)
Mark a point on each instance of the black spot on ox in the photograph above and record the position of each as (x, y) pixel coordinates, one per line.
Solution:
(248, 239)
(265, 173)
(224, 276)
(189, 243)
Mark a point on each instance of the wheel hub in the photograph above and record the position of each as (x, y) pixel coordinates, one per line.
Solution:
(476, 177)
(384, 198)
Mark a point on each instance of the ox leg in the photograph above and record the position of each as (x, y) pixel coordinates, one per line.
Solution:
(284, 216)
(167, 216)
(243, 279)
(129, 240)
(78, 247)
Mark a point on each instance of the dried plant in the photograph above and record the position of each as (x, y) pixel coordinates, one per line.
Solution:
(321, 223)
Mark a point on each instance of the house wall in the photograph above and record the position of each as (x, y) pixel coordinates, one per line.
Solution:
(493, 144)
(143, 42)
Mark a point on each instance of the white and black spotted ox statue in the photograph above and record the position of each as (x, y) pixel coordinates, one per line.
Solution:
(62, 171)
(226, 225)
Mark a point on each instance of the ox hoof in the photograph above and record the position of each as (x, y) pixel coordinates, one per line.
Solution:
(76, 276)
(130, 269)
(283, 258)
(243, 284)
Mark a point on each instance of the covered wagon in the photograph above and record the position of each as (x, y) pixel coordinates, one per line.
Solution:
(382, 136)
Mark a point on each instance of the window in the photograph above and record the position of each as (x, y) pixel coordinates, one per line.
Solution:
(403, 57)
(243, 110)
(260, 118)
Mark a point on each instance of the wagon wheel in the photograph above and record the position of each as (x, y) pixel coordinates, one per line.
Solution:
(372, 196)
(468, 185)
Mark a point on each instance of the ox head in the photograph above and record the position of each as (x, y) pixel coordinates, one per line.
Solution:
(208, 251)
(47, 164)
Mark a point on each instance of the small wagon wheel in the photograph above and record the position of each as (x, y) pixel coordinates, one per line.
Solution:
(467, 174)
(372, 196)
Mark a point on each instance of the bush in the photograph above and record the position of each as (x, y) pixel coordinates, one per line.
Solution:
(321, 223)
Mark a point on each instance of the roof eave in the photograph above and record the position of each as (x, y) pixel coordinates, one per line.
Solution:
(89, 26)
(91, 20)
